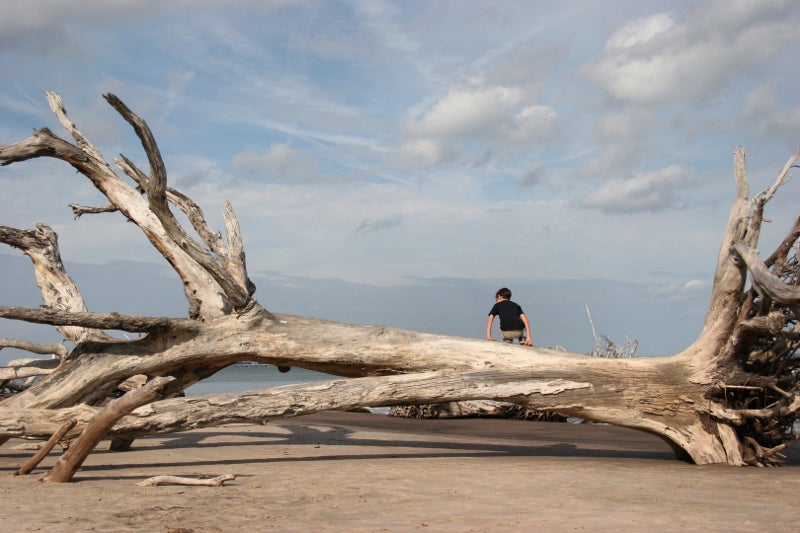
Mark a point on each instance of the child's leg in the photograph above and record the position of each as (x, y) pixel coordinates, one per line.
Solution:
(510, 336)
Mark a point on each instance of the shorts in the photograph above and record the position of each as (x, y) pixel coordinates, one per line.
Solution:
(510, 335)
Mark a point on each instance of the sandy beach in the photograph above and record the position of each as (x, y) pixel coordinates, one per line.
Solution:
(362, 472)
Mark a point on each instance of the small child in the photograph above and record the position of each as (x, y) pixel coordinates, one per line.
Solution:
(513, 322)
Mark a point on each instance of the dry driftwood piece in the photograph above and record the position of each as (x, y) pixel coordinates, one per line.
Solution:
(99, 426)
(176, 480)
(48, 446)
(731, 397)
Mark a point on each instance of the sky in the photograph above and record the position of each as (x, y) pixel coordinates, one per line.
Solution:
(398, 162)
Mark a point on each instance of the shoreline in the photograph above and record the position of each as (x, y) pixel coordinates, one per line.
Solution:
(335, 471)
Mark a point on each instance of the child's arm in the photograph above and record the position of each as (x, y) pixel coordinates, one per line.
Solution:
(528, 341)
(489, 328)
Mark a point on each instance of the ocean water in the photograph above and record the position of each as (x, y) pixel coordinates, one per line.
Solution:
(245, 377)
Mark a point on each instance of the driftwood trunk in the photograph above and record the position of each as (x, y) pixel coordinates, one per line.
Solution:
(730, 397)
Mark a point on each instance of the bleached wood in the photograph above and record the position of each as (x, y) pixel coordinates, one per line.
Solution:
(46, 448)
(58, 290)
(25, 368)
(98, 427)
(696, 400)
(767, 282)
(188, 481)
(130, 323)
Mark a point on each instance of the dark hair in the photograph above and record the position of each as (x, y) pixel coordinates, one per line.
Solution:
(504, 293)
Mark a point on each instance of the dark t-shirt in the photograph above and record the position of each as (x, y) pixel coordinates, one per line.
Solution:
(508, 312)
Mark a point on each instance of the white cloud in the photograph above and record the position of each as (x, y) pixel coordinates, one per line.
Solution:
(659, 58)
(532, 176)
(468, 113)
(759, 102)
(762, 110)
(784, 126)
(385, 140)
(369, 224)
(654, 191)
(732, 15)
(470, 120)
(641, 33)
(535, 124)
(278, 162)
(677, 292)
(54, 26)
(624, 126)
(423, 153)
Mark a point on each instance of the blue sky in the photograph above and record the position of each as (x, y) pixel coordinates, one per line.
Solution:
(375, 149)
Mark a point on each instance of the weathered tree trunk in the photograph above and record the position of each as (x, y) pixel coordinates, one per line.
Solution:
(730, 397)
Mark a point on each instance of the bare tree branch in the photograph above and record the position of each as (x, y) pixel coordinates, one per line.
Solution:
(34, 347)
(764, 280)
(260, 406)
(205, 296)
(98, 428)
(48, 446)
(235, 258)
(212, 240)
(156, 188)
(27, 368)
(57, 106)
(80, 210)
(772, 323)
(57, 287)
(116, 321)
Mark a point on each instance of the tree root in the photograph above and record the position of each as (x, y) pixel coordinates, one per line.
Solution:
(765, 455)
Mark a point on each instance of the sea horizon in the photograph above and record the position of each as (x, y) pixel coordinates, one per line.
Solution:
(247, 376)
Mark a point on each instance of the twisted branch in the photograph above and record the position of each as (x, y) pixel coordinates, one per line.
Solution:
(130, 323)
(156, 188)
(765, 281)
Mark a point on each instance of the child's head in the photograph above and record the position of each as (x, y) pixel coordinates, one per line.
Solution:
(503, 294)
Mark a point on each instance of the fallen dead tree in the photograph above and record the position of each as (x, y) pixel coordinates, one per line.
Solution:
(604, 347)
(730, 397)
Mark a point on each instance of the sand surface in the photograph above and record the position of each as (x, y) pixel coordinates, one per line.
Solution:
(362, 472)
